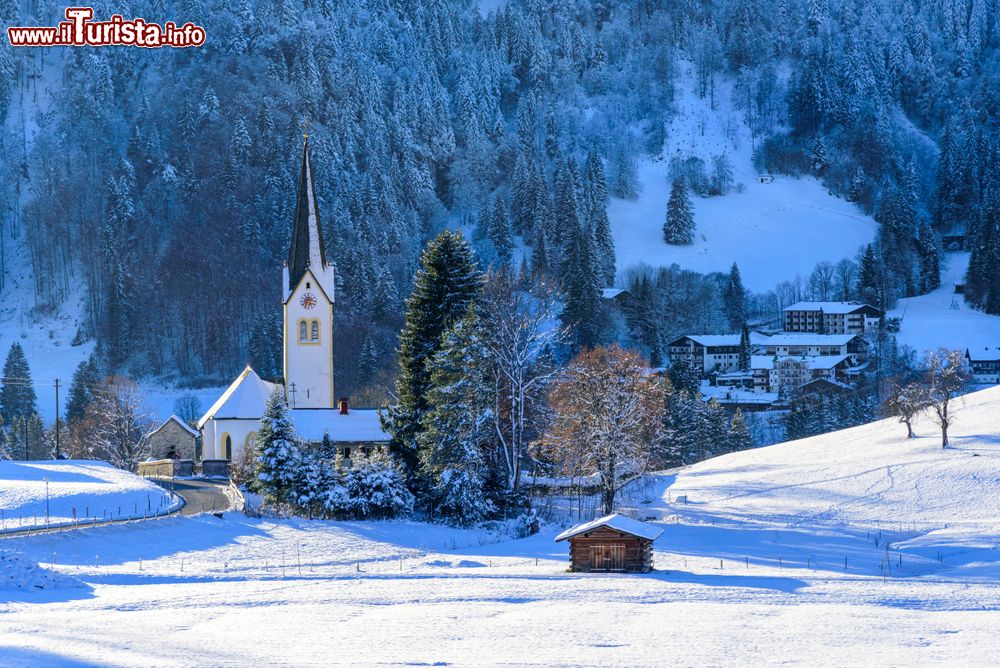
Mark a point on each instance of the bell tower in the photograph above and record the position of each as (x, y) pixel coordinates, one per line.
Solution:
(308, 297)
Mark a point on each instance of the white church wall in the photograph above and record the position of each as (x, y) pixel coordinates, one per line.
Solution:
(309, 359)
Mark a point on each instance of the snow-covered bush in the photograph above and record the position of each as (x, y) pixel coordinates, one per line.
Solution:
(376, 488)
(318, 489)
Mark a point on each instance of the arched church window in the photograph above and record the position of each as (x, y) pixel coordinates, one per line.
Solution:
(302, 330)
(314, 331)
(229, 446)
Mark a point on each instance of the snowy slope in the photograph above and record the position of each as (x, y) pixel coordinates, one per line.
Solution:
(942, 319)
(91, 488)
(773, 231)
(853, 548)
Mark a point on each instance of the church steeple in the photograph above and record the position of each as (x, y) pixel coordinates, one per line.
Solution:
(306, 250)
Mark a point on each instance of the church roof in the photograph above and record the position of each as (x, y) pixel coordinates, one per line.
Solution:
(306, 249)
(358, 426)
(244, 399)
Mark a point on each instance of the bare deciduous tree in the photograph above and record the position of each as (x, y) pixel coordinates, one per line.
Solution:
(121, 423)
(947, 378)
(607, 414)
(907, 402)
(520, 320)
(821, 281)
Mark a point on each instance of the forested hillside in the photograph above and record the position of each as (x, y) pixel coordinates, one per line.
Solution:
(163, 180)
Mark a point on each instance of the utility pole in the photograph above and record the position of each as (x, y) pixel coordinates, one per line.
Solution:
(57, 419)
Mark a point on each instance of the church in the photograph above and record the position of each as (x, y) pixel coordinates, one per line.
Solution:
(308, 296)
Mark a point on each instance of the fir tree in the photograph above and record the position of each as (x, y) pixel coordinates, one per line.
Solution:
(679, 226)
(368, 361)
(278, 453)
(870, 278)
(818, 159)
(739, 433)
(595, 197)
(734, 299)
(457, 429)
(81, 389)
(447, 281)
(17, 394)
(582, 314)
(930, 263)
(745, 349)
(500, 233)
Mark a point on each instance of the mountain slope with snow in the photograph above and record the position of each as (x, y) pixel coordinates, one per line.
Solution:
(774, 231)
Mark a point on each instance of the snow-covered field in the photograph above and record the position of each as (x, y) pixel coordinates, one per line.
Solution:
(77, 490)
(942, 319)
(750, 571)
(774, 231)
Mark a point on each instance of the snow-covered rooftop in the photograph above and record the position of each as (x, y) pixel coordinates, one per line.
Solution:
(173, 418)
(616, 522)
(359, 425)
(807, 339)
(611, 293)
(245, 398)
(827, 307)
(724, 339)
(984, 354)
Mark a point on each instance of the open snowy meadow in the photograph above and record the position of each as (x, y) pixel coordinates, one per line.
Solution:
(858, 547)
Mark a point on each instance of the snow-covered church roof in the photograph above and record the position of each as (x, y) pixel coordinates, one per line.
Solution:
(244, 399)
(357, 426)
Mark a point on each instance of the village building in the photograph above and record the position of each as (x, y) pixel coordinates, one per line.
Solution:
(613, 543)
(831, 317)
(800, 344)
(173, 439)
(710, 353)
(308, 297)
(984, 364)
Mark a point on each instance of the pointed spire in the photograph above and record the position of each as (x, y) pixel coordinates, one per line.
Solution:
(307, 233)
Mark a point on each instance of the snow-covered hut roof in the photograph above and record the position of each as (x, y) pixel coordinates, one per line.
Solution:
(611, 293)
(616, 522)
(173, 418)
(829, 307)
(358, 426)
(244, 399)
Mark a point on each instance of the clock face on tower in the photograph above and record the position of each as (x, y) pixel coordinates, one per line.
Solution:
(308, 300)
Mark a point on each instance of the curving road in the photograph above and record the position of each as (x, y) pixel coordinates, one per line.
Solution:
(200, 496)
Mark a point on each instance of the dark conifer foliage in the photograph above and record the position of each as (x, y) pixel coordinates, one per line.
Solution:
(447, 281)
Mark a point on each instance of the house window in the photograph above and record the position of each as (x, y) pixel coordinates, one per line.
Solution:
(314, 331)
(302, 330)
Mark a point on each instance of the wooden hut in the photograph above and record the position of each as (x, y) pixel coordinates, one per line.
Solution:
(614, 543)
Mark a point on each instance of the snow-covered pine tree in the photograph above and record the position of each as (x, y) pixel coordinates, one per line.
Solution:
(734, 299)
(930, 262)
(458, 426)
(376, 488)
(500, 233)
(739, 433)
(81, 389)
(17, 393)
(447, 281)
(745, 354)
(583, 313)
(595, 197)
(678, 229)
(278, 453)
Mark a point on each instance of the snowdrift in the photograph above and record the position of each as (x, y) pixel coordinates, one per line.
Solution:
(18, 573)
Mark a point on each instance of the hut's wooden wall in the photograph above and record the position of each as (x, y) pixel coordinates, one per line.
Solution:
(638, 551)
